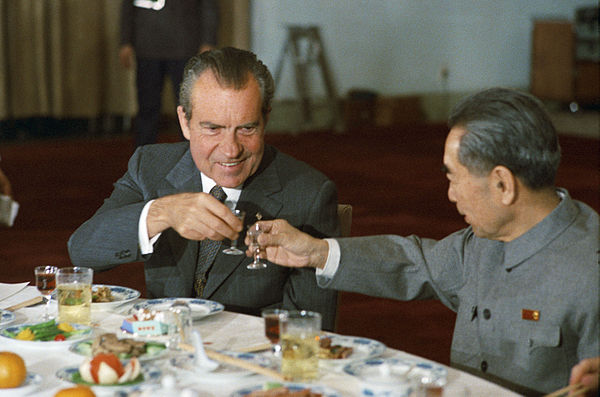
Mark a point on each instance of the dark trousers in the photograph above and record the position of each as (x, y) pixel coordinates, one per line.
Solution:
(151, 74)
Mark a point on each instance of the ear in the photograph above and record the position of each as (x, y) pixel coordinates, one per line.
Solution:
(504, 183)
(183, 122)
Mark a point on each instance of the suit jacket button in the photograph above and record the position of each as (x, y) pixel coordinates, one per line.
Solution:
(487, 314)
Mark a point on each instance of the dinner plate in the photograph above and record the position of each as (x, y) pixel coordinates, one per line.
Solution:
(151, 375)
(200, 307)
(121, 295)
(84, 348)
(294, 387)
(32, 383)
(426, 371)
(4, 333)
(6, 317)
(362, 348)
(224, 371)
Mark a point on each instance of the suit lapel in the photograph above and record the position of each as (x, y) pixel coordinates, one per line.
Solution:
(184, 177)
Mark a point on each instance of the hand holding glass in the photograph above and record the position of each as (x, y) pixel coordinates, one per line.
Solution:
(45, 281)
(234, 250)
(253, 232)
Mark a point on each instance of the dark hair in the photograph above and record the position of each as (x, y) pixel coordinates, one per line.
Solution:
(232, 68)
(509, 128)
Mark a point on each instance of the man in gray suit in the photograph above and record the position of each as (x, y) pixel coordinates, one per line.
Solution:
(523, 277)
(161, 208)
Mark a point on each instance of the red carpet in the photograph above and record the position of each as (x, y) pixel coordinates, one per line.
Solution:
(391, 177)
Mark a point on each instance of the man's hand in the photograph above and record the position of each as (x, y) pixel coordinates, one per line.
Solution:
(587, 372)
(287, 246)
(195, 216)
(126, 55)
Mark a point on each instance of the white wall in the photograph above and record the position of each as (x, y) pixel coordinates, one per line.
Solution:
(399, 46)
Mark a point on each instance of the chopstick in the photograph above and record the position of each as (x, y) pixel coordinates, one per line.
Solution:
(574, 390)
(255, 348)
(223, 358)
(26, 303)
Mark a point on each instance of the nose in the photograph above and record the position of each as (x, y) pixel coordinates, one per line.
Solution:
(230, 145)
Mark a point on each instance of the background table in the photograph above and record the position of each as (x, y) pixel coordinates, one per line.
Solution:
(224, 330)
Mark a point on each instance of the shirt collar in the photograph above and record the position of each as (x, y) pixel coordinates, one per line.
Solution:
(233, 194)
(542, 234)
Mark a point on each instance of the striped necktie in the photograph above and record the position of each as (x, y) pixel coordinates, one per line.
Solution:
(207, 251)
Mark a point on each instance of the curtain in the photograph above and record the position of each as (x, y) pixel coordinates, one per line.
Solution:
(58, 58)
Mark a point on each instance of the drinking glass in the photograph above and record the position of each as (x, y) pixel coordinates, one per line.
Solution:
(253, 232)
(45, 281)
(273, 319)
(74, 294)
(234, 250)
(300, 345)
(180, 325)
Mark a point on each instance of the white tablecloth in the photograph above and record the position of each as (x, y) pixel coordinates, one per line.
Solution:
(224, 330)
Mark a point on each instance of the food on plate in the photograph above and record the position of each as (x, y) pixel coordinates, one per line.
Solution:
(76, 391)
(107, 369)
(46, 331)
(102, 294)
(329, 351)
(12, 370)
(123, 348)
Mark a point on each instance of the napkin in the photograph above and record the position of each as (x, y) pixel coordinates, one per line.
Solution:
(21, 293)
(8, 210)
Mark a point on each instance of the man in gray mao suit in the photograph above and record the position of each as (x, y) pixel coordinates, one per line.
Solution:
(523, 278)
(161, 209)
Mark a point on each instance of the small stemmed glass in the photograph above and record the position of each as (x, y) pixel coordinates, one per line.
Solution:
(45, 281)
(273, 319)
(253, 232)
(233, 249)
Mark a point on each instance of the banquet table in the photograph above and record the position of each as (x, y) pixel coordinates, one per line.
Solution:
(221, 331)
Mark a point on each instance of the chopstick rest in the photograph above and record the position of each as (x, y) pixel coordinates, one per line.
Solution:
(224, 358)
(574, 390)
(29, 302)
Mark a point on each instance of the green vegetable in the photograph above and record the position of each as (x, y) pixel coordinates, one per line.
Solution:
(76, 378)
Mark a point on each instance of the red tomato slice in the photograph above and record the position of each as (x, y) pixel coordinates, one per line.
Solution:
(108, 358)
(59, 337)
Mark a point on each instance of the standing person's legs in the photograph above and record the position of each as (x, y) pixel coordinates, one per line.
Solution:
(149, 80)
(175, 71)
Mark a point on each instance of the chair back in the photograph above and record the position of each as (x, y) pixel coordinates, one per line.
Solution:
(344, 213)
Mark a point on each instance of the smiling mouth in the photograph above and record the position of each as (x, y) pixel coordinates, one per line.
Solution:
(230, 163)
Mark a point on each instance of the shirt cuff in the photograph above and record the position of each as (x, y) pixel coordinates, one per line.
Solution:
(333, 260)
(146, 244)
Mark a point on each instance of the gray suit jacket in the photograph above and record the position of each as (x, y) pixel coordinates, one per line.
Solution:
(281, 188)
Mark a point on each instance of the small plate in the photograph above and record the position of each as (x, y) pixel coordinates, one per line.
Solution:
(32, 382)
(426, 371)
(362, 348)
(200, 307)
(224, 371)
(323, 390)
(6, 317)
(87, 330)
(84, 348)
(151, 375)
(121, 295)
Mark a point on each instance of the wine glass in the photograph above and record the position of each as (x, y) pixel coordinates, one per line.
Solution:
(233, 249)
(45, 281)
(273, 319)
(254, 231)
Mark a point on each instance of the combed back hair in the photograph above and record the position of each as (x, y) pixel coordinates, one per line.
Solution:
(232, 68)
(509, 128)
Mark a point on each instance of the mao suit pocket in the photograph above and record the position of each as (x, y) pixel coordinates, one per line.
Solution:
(537, 346)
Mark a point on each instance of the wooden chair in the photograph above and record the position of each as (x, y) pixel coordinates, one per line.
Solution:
(344, 213)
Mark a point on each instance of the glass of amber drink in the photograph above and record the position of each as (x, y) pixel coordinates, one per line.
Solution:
(300, 345)
(273, 319)
(74, 294)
